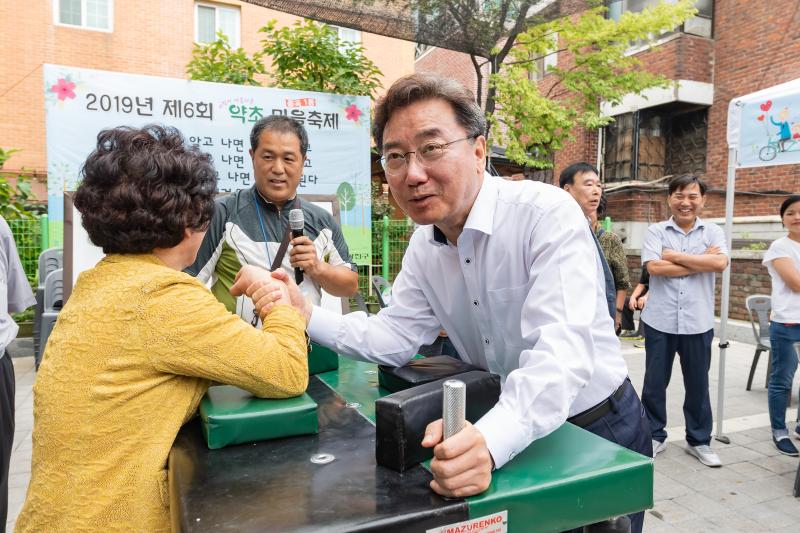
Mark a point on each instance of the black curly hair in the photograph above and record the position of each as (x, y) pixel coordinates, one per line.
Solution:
(141, 188)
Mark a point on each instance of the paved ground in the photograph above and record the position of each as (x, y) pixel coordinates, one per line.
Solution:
(751, 492)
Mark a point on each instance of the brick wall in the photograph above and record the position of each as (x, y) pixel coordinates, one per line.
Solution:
(149, 37)
(743, 60)
(748, 276)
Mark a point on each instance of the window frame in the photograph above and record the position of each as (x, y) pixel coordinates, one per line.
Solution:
(82, 26)
(234, 41)
(678, 30)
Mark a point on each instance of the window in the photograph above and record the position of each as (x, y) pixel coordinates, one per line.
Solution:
(539, 65)
(210, 19)
(89, 14)
(656, 142)
(347, 36)
(700, 24)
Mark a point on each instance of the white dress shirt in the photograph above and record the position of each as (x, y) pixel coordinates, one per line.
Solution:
(521, 295)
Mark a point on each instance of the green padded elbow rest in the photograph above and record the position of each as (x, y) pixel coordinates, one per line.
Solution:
(321, 359)
(231, 415)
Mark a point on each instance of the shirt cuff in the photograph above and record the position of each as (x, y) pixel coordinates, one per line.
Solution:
(504, 436)
(324, 326)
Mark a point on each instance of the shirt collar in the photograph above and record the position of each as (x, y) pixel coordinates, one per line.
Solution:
(481, 216)
(698, 223)
(290, 203)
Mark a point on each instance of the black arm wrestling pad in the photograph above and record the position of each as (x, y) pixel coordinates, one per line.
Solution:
(401, 418)
(420, 371)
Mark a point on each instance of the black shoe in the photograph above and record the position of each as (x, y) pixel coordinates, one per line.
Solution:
(785, 445)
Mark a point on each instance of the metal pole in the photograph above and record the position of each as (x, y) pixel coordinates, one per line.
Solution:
(726, 285)
(385, 249)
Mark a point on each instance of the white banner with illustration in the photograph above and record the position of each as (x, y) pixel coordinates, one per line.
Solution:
(218, 118)
(770, 132)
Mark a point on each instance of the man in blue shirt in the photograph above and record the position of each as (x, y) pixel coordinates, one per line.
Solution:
(682, 256)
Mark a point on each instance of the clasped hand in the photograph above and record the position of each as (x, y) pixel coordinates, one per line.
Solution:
(267, 289)
(461, 465)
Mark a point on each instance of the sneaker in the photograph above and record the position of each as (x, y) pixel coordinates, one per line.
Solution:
(785, 446)
(630, 335)
(658, 447)
(797, 431)
(704, 454)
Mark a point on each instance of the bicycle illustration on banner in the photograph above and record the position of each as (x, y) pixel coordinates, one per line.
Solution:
(787, 137)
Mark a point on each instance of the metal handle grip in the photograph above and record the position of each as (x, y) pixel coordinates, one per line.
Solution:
(454, 406)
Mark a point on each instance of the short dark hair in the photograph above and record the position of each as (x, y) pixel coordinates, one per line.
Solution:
(280, 124)
(789, 201)
(567, 176)
(418, 87)
(142, 188)
(678, 183)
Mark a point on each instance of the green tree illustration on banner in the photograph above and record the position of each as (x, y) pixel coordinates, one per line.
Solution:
(347, 198)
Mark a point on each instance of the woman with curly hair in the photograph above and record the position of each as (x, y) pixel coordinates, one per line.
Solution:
(139, 342)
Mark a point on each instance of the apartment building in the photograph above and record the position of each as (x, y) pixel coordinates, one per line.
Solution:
(151, 37)
(730, 48)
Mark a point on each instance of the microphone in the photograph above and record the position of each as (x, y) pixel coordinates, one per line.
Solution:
(296, 223)
(454, 406)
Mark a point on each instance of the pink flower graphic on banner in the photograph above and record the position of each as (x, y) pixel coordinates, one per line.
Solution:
(64, 89)
(353, 112)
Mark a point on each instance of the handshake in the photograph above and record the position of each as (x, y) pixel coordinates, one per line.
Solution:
(267, 289)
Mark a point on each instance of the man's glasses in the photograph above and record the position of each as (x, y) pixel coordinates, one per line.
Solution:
(395, 163)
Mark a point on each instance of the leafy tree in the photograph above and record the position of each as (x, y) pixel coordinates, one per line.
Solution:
(533, 123)
(13, 198)
(509, 36)
(309, 56)
(218, 62)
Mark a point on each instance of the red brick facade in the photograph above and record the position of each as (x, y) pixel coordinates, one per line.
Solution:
(754, 46)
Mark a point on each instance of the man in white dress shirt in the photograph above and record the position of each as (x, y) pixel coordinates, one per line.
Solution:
(510, 270)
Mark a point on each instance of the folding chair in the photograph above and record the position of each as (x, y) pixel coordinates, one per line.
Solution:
(760, 305)
(49, 260)
(53, 301)
(383, 289)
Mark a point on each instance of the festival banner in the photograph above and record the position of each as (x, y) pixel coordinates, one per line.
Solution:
(218, 118)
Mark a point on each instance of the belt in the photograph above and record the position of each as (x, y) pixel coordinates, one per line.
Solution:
(593, 414)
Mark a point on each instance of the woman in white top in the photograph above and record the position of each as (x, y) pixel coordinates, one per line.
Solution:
(783, 262)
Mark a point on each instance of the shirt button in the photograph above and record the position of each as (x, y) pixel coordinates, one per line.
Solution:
(467, 260)
(474, 302)
(486, 341)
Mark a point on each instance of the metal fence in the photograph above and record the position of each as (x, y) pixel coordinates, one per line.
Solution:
(28, 238)
(396, 240)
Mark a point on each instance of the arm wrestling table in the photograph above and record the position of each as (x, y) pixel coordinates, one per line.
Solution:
(568, 479)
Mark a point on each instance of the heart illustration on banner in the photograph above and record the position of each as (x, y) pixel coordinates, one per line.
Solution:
(796, 136)
(760, 117)
(765, 106)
